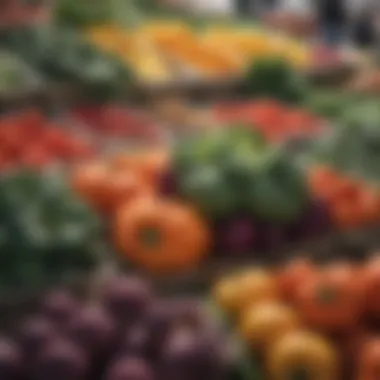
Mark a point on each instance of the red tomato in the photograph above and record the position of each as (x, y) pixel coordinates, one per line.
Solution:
(11, 139)
(5, 159)
(266, 115)
(89, 115)
(36, 156)
(268, 105)
(56, 141)
(300, 122)
(78, 149)
(114, 116)
(31, 122)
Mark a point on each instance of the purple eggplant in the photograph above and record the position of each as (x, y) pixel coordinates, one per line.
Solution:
(237, 235)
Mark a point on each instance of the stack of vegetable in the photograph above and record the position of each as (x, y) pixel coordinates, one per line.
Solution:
(112, 120)
(127, 333)
(64, 57)
(275, 120)
(347, 179)
(47, 233)
(305, 320)
(29, 139)
(171, 49)
(253, 195)
(226, 191)
(146, 228)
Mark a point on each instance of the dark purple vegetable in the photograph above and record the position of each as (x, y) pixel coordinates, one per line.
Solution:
(168, 185)
(59, 306)
(130, 369)
(34, 333)
(187, 312)
(238, 235)
(136, 342)
(127, 298)
(61, 360)
(10, 360)
(315, 222)
(272, 238)
(188, 356)
(93, 329)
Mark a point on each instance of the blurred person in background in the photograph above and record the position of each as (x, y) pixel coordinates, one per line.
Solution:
(332, 18)
(364, 29)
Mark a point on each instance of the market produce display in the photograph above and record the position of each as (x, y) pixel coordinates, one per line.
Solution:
(352, 202)
(47, 233)
(229, 190)
(30, 139)
(146, 228)
(254, 195)
(103, 185)
(170, 50)
(275, 120)
(302, 319)
(128, 332)
(347, 179)
(63, 56)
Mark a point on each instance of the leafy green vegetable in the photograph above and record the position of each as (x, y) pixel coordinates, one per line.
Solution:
(46, 232)
(63, 56)
(236, 171)
(327, 103)
(274, 77)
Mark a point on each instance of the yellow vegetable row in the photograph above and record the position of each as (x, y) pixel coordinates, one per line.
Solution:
(167, 50)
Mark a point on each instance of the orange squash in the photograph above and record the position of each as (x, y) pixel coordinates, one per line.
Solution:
(150, 165)
(88, 182)
(255, 286)
(369, 360)
(160, 235)
(226, 294)
(123, 186)
(332, 300)
(303, 354)
(295, 273)
(371, 278)
(261, 325)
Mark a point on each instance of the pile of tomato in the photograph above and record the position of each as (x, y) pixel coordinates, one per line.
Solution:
(117, 121)
(275, 120)
(29, 139)
(303, 318)
(351, 202)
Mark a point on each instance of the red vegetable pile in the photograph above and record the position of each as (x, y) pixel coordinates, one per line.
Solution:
(117, 121)
(275, 120)
(30, 139)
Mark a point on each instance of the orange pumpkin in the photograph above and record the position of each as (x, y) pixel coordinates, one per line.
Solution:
(369, 360)
(149, 165)
(331, 300)
(161, 235)
(369, 204)
(295, 273)
(88, 181)
(123, 186)
(371, 279)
